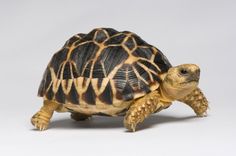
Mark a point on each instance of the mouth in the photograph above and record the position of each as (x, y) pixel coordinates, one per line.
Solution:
(191, 81)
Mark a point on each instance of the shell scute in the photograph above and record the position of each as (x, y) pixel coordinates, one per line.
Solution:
(81, 55)
(143, 52)
(111, 57)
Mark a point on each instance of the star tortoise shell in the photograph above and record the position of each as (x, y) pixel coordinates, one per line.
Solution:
(103, 66)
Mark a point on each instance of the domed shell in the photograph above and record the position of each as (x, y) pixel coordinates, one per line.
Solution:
(104, 66)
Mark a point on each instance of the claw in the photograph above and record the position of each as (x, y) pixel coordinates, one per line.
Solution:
(204, 114)
(133, 126)
(130, 126)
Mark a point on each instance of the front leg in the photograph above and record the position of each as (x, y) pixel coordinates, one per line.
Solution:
(141, 109)
(197, 101)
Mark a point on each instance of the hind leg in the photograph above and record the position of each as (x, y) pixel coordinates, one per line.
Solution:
(42, 118)
(79, 116)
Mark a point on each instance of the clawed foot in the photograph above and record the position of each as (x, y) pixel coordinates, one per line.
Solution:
(40, 121)
(130, 124)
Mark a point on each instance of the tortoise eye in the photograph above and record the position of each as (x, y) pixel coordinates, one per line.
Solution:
(183, 72)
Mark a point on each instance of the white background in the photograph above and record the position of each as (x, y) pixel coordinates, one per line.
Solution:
(187, 31)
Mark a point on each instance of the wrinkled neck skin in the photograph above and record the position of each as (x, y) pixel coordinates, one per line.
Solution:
(170, 93)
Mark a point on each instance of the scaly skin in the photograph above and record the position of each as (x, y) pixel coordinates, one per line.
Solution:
(142, 108)
(42, 118)
(197, 101)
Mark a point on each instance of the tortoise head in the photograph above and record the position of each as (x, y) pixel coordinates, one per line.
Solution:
(181, 81)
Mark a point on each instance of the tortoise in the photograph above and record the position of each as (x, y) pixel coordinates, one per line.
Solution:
(112, 73)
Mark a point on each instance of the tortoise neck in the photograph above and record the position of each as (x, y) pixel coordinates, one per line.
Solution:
(164, 96)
